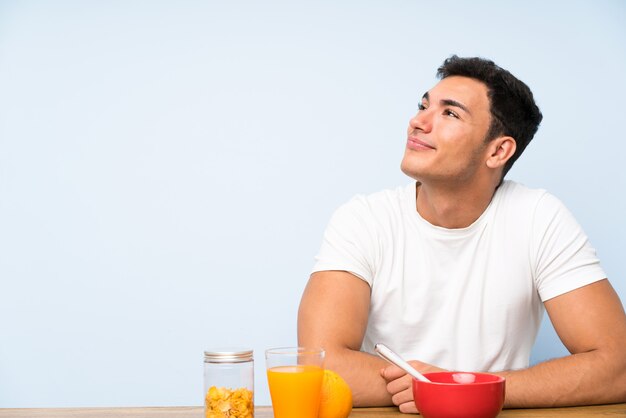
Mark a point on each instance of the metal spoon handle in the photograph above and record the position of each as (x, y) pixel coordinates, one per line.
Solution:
(393, 358)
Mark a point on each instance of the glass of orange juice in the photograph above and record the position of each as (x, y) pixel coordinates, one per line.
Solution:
(295, 378)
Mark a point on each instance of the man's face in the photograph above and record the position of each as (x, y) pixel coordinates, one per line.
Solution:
(446, 138)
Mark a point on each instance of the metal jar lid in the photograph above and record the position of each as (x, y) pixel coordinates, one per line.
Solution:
(228, 355)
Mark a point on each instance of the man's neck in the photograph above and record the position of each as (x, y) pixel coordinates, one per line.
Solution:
(453, 207)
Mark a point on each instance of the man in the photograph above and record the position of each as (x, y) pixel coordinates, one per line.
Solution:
(454, 271)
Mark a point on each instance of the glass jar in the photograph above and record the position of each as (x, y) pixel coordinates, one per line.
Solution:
(229, 383)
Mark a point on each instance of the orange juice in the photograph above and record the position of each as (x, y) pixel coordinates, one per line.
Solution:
(295, 390)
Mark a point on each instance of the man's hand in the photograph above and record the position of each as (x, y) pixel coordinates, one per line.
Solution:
(400, 386)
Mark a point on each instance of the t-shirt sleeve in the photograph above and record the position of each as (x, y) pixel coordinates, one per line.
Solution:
(565, 260)
(348, 241)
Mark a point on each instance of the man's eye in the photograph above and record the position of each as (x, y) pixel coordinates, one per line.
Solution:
(421, 106)
(449, 112)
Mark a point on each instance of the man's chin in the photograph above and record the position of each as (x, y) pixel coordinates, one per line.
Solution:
(410, 171)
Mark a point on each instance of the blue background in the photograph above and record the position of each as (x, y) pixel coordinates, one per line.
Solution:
(167, 168)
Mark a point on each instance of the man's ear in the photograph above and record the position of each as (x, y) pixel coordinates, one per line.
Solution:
(500, 150)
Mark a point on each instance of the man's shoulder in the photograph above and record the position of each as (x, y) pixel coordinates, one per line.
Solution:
(392, 198)
(377, 208)
(527, 201)
(518, 193)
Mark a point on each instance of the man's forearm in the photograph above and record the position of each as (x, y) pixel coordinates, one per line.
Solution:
(362, 372)
(579, 379)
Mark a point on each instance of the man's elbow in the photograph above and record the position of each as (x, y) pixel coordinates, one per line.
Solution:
(615, 380)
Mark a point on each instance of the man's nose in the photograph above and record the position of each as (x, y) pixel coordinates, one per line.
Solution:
(421, 121)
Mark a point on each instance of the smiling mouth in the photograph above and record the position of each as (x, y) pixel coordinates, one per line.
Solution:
(415, 144)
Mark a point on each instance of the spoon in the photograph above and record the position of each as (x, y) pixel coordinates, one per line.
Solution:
(393, 358)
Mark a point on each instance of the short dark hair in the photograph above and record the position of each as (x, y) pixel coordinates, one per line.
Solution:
(513, 109)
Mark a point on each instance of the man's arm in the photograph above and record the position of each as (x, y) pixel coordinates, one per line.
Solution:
(591, 323)
(333, 314)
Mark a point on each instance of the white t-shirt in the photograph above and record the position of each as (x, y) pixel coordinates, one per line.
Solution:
(462, 299)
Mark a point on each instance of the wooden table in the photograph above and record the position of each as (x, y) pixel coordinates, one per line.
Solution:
(618, 410)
